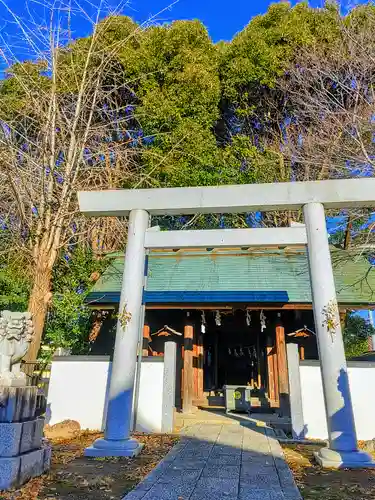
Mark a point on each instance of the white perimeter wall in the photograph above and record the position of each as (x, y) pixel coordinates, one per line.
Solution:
(150, 400)
(78, 391)
(362, 384)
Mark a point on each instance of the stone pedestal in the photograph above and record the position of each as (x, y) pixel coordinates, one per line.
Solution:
(23, 452)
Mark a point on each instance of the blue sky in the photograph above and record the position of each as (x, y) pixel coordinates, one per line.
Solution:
(222, 18)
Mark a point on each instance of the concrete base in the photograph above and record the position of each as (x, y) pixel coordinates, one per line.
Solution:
(344, 459)
(17, 438)
(15, 471)
(111, 448)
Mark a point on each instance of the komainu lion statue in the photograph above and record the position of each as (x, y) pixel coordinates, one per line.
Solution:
(16, 333)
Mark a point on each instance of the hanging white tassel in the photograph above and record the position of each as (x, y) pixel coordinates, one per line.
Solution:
(203, 323)
(218, 318)
(248, 318)
(263, 318)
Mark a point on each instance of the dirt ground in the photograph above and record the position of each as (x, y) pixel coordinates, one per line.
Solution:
(326, 484)
(73, 477)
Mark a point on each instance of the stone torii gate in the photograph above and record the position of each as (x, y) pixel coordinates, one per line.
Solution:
(313, 198)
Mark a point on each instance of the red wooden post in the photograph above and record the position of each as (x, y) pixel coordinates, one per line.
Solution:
(276, 377)
(146, 340)
(271, 374)
(302, 352)
(195, 369)
(282, 366)
(200, 367)
(188, 383)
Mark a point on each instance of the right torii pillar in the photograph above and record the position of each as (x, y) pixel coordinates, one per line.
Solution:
(342, 450)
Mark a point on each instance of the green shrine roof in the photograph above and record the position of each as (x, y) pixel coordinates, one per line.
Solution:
(277, 276)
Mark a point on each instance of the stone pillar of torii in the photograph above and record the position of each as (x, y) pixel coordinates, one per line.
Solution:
(313, 197)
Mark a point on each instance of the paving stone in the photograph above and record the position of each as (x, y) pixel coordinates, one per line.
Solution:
(198, 447)
(202, 495)
(147, 483)
(259, 448)
(259, 470)
(218, 464)
(162, 467)
(288, 485)
(212, 486)
(258, 462)
(234, 443)
(260, 481)
(192, 454)
(237, 434)
(224, 460)
(211, 428)
(231, 471)
(154, 476)
(225, 450)
(167, 491)
(192, 463)
(246, 493)
(249, 456)
(281, 464)
(180, 475)
(233, 430)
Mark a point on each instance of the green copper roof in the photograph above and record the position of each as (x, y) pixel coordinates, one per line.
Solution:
(240, 271)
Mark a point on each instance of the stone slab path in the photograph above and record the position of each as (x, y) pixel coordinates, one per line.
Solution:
(221, 462)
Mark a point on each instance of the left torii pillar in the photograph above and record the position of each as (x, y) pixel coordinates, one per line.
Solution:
(117, 441)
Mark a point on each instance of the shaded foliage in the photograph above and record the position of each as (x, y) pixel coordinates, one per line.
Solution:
(69, 319)
(356, 334)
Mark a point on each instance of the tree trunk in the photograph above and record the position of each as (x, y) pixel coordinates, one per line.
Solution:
(348, 236)
(38, 304)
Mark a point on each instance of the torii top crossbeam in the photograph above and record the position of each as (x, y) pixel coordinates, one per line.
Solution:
(343, 193)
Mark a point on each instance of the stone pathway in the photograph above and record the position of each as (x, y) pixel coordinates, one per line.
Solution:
(221, 462)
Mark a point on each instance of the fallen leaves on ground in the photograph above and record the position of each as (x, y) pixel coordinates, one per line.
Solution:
(74, 477)
(327, 484)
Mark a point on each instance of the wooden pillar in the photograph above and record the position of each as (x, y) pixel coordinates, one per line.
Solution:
(275, 376)
(282, 366)
(271, 374)
(302, 352)
(188, 379)
(146, 340)
(195, 368)
(200, 367)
